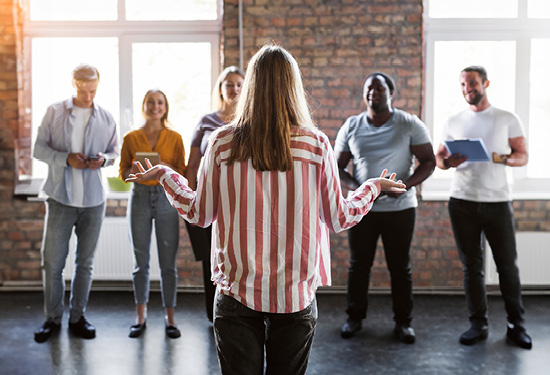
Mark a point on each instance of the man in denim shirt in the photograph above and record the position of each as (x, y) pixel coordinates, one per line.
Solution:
(76, 138)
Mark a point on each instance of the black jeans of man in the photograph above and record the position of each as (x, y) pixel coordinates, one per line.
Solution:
(470, 220)
(242, 335)
(396, 229)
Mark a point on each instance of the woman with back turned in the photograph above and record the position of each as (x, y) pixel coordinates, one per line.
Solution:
(269, 185)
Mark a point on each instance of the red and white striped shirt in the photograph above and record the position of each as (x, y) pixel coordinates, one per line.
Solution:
(270, 249)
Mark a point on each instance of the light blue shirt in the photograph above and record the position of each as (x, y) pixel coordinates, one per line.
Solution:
(388, 146)
(53, 145)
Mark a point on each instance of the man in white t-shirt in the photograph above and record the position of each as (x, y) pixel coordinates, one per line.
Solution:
(481, 204)
(76, 138)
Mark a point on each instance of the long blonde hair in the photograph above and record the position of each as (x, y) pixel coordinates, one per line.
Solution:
(272, 100)
(217, 98)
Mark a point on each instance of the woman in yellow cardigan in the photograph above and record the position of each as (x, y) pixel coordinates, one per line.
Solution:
(147, 203)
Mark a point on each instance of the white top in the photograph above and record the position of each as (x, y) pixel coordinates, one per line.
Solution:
(82, 117)
(483, 181)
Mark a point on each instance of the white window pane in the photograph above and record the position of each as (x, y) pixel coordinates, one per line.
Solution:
(539, 111)
(538, 9)
(450, 57)
(473, 8)
(73, 10)
(183, 72)
(171, 10)
(52, 65)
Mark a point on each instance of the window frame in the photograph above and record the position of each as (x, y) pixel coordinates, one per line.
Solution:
(127, 32)
(521, 30)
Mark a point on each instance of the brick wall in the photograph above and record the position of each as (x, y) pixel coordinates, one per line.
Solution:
(337, 43)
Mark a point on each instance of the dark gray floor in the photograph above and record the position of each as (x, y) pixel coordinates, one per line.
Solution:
(439, 320)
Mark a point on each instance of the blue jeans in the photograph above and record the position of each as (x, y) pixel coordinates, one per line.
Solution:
(243, 334)
(396, 229)
(148, 203)
(59, 222)
(496, 220)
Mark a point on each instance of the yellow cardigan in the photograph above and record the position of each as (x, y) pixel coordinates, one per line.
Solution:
(169, 146)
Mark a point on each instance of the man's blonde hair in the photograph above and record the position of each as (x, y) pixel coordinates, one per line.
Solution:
(85, 73)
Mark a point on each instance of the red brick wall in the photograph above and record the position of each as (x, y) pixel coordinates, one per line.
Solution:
(337, 43)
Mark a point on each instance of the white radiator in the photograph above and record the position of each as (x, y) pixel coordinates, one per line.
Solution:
(533, 259)
(114, 258)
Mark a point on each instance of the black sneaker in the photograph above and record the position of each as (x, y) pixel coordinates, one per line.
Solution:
(82, 328)
(405, 333)
(518, 336)
(46, 331)
(350, 327)
(477, 332)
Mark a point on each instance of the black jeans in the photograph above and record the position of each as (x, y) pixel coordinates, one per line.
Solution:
(396, 229)
(470, 220)
(242, 333)
(201, 241)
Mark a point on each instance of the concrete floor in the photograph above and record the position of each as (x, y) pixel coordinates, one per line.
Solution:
(439, 320)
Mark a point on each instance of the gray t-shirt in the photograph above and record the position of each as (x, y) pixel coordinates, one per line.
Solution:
(387, 146)
(206, 126)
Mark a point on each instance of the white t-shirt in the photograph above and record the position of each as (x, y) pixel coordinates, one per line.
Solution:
(483, 181)
(82, 117)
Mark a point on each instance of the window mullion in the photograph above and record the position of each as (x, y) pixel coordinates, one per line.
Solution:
(523, 90)
(522, 9)
(121, 10)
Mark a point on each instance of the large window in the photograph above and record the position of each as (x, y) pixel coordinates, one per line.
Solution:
(511, 38)
(137, 45)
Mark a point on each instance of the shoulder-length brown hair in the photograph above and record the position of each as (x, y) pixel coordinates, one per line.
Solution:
(271, 102)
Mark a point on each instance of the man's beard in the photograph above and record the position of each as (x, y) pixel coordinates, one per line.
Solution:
(476, 99)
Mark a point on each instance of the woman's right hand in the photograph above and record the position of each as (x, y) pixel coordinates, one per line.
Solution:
(143, 175)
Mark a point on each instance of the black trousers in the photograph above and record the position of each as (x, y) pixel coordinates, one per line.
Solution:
(396, 229)
(201, 242)
(470, 220)
(244, 336)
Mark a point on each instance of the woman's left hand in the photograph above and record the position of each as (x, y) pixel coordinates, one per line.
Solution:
(389, 185)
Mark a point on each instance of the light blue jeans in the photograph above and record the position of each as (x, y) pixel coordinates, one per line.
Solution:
(59, 222)
(148, 203)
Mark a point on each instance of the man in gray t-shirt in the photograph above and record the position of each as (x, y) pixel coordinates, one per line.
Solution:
(383, 137)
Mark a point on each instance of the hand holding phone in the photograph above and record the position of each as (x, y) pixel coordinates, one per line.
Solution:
(95, 162)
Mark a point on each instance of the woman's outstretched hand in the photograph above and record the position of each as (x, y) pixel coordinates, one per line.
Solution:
(142, 175)
(388, 184)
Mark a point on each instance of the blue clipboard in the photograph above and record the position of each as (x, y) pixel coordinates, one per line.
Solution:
(474, 149)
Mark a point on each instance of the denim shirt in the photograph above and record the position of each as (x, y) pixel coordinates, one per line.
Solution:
(53, 145)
